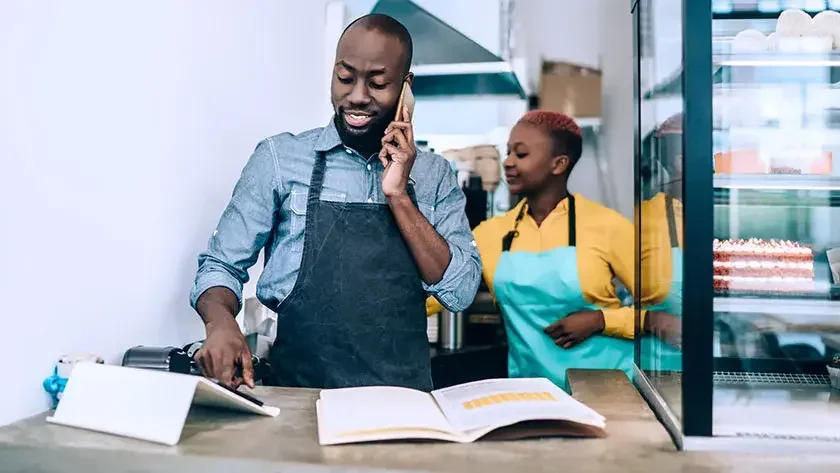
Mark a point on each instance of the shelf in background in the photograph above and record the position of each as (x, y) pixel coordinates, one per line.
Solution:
(671, 86)
(821, 309)
(777, 182)
(746, 15)
(776, 197)
(748, 10)
(778, 60)
(816, 135)
(777, 190)
(776, 68)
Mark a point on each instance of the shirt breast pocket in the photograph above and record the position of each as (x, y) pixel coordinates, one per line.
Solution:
(298, 206)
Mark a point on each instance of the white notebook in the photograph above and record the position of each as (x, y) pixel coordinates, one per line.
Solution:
(496, 408)
(144, 404)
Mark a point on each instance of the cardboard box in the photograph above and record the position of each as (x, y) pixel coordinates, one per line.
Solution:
(571, 89)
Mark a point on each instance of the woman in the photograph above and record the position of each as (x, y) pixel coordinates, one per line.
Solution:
(551, 260)
(661, 235)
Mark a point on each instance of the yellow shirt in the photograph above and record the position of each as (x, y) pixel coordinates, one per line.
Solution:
(605, 249)
(656, 248)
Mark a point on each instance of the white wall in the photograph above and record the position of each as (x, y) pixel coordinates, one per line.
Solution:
(560, 30)
(123, 128)
(616, 40)
(579, 33)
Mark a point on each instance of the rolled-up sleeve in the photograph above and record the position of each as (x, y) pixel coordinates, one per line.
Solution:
(243, 229)
(459, 285)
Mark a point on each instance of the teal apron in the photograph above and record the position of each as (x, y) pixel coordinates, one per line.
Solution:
(533, 291)
(657, 355)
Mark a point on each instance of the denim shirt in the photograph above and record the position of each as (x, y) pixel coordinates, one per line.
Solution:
(268, 210)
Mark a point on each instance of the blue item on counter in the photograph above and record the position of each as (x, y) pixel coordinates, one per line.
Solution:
(54, 385)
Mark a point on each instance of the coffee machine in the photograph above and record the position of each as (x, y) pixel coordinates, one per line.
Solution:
(479, 173)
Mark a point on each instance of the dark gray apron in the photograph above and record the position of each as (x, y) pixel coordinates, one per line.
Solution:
(356, 315)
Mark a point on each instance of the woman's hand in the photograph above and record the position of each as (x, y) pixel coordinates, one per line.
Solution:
(575, 328)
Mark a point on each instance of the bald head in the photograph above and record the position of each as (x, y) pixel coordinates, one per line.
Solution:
(390, 27)
(372, 63)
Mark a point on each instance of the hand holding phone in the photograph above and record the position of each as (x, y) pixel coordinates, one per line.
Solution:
(398, 149)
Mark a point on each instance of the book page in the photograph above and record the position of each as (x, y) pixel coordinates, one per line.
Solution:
(379, 413)
(492, 403)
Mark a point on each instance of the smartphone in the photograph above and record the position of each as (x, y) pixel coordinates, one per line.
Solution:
(406, 101)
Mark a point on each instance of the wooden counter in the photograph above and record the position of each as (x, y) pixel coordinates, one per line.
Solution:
(223, 442)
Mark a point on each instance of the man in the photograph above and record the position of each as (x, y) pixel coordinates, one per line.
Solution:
(358, 227)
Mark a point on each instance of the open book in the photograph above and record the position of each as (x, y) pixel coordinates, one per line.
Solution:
(495, 408)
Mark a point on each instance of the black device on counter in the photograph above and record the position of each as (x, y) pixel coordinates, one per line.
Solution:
(181, 360)
(172, 359)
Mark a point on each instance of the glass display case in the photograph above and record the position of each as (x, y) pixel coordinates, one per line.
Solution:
(738, 220)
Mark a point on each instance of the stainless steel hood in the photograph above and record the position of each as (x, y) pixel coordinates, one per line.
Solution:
(448, 63)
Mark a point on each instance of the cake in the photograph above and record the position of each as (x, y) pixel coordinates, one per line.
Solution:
(749, 41)
(794, 22)
(757, 265)
(828, 23)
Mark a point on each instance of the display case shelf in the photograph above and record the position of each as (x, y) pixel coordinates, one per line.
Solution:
(776, 68)
(747, 15)
(791, 191)
(777, 182)
(772, 60)
(822, 309)
(777, 198)
(752, 10)
(817, 132)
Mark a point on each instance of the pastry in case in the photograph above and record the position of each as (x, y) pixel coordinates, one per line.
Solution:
(755, 162)
(757, 265)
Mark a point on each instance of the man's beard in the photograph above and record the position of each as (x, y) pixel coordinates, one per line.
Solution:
(370, 140)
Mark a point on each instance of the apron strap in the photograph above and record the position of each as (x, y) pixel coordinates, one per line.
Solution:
(316, 182)
(672, 222)
(572, 221)
(507, 240)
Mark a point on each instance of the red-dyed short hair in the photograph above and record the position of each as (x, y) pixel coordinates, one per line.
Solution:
(564, 132)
